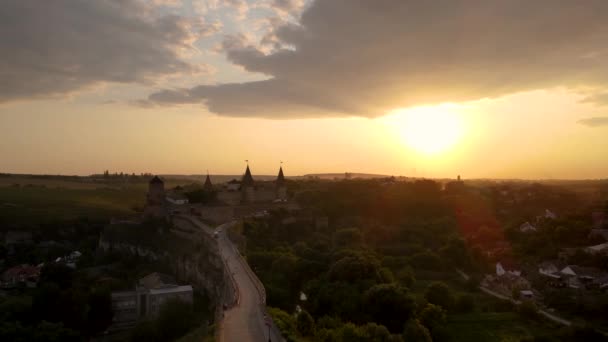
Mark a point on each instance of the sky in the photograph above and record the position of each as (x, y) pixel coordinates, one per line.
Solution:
(492, 89)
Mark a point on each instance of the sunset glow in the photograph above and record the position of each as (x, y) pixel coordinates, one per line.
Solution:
(429, 130)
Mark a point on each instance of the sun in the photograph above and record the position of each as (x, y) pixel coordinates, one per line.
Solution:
(429, 130)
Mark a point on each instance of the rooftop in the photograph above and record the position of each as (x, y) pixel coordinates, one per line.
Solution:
(156, 180)
(175, 289)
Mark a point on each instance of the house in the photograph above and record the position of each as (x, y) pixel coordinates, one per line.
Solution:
(233, 185)
(577, 277)
(550, 215)
(549, 269)
(597, 249)
(527, 227)
(177, 198)
(22, 274)
(526, 294)
(598, 233)
(150, 293)
(501, 271)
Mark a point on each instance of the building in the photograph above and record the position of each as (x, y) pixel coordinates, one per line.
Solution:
(247, 187)
(281, 188)
(150, 293)
(598, 234)
(177, 198)
(597, 249)
(24, 274)
(155, 199)
(527, 227)
(208, 186)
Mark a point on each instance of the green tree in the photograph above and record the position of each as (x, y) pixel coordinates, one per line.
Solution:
(99, 316)
(416, 332)
(432, 316)
(465, 303)
(389, 305)
(145, 331)
(440, 294)
(305, 323)
(175, 318)
(406, 277)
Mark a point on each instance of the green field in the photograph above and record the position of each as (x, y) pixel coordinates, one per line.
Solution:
(34, 200)
(34, 205)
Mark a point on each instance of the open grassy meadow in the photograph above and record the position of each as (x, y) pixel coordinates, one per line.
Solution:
(34, 200)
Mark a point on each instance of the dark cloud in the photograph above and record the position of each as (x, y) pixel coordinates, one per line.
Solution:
(598, 121)
(56, 47)
(361, 57)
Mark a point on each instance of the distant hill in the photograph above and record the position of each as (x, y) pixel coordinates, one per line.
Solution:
(350, 175)
(227, 178)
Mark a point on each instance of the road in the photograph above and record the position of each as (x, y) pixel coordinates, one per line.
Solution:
(244, 321)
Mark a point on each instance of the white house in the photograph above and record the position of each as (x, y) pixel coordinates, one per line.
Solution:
(549, 269)
(550, 215)
(177, 198)
(597, 249)
(527, 227)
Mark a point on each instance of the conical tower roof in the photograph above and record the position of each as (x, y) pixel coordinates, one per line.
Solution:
(208, 185)
(156, 180)
(280, 177)
(247, 178)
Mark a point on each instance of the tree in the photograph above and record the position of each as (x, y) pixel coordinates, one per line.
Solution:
(406, 277)
(465, 303)
(144, 331)
(432, 316)
(416, 332)
(528, 309)
(175, 318)
(440, 294)
(389, 305)
(354, 268)
(305, 324)
(285, 322)
(99, 316)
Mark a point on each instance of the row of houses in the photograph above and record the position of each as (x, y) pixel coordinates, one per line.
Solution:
(574, 276)
(28, 275)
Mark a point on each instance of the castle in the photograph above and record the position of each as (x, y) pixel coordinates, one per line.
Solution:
(155, 200)
(248, 191)
(243, 192)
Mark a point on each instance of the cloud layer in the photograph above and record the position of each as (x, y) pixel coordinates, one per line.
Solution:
(598, 121)
(50, 48)
(360, 57)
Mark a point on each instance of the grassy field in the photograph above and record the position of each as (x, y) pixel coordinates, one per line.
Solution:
(494, 326)
(492, 320)
(33, 200)
(42, 204)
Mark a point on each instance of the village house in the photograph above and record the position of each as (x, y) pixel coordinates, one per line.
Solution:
(597, 249)
(177, 198)
(598, 234)
(527, 227)
(25, 274)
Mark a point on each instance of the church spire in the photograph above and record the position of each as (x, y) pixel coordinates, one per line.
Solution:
(280, 177)
(247, 178)
(208, 185)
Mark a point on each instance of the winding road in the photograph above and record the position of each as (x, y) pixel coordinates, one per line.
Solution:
(246, 320)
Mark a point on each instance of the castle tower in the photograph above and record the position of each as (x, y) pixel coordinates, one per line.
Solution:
(155, 199)
(281, 188)
(247, 187)
(208, 186)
